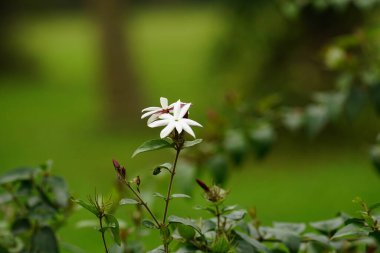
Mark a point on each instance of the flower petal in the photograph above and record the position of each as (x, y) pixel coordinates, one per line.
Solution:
(184, 110)
(191, 122)
(167, 130)
(164, 102)
(188, 129)
(178, 126)
(159, 123)
(153, 118)
(153, 108)
(166, 116)
(149, 113)
(177, 109)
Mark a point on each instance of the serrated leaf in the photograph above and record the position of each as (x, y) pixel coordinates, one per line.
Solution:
(180, 195)
(86, 206)
(253, 242)
(188, 144)
(113, 224)
(148, 224)
(128, 202)
(152, 145)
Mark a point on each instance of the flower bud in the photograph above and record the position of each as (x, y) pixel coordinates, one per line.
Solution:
(216, 194)
(116, 164)
(157, 171)
(203, 185)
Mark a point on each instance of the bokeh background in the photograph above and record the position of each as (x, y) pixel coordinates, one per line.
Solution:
(74, 76)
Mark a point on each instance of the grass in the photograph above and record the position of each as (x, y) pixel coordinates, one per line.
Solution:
(57, 114)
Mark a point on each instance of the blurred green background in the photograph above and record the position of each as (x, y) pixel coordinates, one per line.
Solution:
(74, 77)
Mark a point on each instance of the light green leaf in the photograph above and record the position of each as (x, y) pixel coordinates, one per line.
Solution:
(159, 195)
(17, 175)
(180, 195)
(86, 206)
(152, 145)
(187, 222)
(148, 224)
(328, 226)
(297, 228)
(289, 238)
(113, 223)
(189, 144)
(351, 231)
(236, 215)
(128, 202)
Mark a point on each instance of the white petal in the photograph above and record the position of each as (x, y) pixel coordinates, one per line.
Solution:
(177, 109)
(191, 122)
(166, 116)
(154, 108)
(184, 110)
(149, 113)
(167, 130)
(153, 118)
(164, 102)
(188, 129)
(159, 123)
(178, 126)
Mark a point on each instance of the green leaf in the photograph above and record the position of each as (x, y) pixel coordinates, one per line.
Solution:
(17, 175)
(253, 242)
(374, 206)
(59, 189)
(5, 198)
(208, 209)
(188, 144)
(218, 167)
(185, 231)
(159, 195)
(316, 118)
(262, 136)
(166, 166)
(20, 226)
(44, 241)
(375, 96)
(86, 206)
(113, 224)
(180, 195)
(322, 239)
(351, 231)
(187, 222)
(128, 202)
(235, 145)
(236, 215)
(228, 209)
(148, 224)
(152, 145)
(289, 238)
(328, 226)
(297, 228)
(159, 249)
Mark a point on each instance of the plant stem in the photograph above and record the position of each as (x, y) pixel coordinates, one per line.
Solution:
(102, 232)
(217, 218)
(167, 199)
(144, 204)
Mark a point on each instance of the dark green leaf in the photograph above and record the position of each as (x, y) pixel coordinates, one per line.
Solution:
(375, 96)
(253, 242)
(17, 175)
(44, 241)
(128, 202)
(185, 231)
(59, 189)
(113, 223)
(148, 224)
(187, 222)
(189, 144)
(218, 167)
(20, 226)
(152, 145)
(289, 238)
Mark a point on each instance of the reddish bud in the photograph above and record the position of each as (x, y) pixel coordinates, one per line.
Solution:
(121, 173)
(203, 185)
(116, 164)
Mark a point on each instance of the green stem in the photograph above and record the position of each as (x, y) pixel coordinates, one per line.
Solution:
(167, 199)
(218, 218)
(102, 232)
(144, 204)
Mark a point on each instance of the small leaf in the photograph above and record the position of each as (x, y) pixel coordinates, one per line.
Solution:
(86, 206)
(351, 231)
(253, 242)
(152, 145)
(179, 195)
(328, 226)
(236, 215)
(113, 224)
(158, 169)
(208, 209)
(187, 222)
(228, 209)
(148, 224)
(189, 144)
(128, 202)
(159, 195)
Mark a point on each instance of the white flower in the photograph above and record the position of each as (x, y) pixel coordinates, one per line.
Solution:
(175, 121)
(155, 112)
